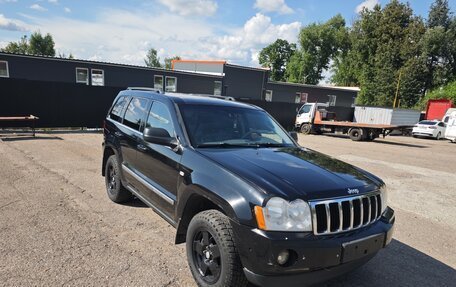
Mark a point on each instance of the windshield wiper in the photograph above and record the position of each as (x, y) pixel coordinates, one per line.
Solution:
(222, 145)
(267, 145)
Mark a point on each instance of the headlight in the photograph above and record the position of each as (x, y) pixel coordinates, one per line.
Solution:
(384, 197)
(281, 215)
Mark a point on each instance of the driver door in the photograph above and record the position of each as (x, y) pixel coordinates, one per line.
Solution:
(159, 164)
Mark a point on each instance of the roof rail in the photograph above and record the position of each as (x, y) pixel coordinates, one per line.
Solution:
(204, 95)
(144, 89)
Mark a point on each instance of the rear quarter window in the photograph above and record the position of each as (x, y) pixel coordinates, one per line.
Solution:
(116, 111)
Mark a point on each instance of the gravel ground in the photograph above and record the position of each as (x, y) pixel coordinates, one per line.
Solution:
(58, 227)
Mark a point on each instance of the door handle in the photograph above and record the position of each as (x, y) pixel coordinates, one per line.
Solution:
(141, 147)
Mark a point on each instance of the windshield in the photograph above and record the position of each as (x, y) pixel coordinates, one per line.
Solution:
(305, 109)
(428, 123)
(222, 126)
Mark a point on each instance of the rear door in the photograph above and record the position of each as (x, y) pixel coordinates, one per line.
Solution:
(131, 134)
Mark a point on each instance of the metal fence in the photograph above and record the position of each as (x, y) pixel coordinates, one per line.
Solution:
(76, 105)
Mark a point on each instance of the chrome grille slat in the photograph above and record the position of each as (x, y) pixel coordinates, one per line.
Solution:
(370, 210)
(350, 218)
(352, 215)
(341, 217)
(328, 218)
(361, 210)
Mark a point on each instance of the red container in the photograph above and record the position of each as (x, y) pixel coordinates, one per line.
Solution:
(436, 109)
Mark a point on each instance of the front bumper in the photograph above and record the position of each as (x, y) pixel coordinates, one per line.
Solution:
(315, 258)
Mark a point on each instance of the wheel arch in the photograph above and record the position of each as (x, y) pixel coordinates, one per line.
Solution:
(195, 202)
(107, 152)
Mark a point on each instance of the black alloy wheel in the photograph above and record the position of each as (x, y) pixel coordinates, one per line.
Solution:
(206, 256)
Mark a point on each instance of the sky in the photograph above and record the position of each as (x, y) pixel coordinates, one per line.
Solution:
(123, 31)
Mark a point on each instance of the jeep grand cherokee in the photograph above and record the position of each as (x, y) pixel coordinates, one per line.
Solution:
(248, 201)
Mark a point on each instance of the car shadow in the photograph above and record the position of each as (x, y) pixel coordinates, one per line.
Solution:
(398, 265)
(135, 203)
(10, 138)
(379, 141)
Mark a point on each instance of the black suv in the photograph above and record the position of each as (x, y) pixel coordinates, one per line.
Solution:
(248, 201)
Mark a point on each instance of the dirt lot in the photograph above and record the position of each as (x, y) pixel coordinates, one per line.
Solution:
(58, 227)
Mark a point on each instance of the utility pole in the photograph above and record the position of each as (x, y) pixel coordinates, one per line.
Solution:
(397, 89)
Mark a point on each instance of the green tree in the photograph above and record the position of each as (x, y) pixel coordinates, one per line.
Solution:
(43, 46)
(384, 53)
(318, 44)
(36, 45)
(19, 47)
(276, 57)
(439, 43)
(168, 62)
(152, 60)
(446, 92)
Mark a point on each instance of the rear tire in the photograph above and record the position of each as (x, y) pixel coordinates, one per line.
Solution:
(355, 135)
(116, 191)
(211, 251)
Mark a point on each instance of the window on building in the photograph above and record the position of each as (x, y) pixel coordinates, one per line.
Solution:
(116, 111)
(332, 100)
(82, 75)
(298, 98)
(268, 96)
(160, 117)
(158, 83)
(136, 111)
(171, 84)
(217, 88)
(97, 77)
(4, 72)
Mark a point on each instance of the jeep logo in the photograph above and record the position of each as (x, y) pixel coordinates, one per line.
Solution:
(352, 190)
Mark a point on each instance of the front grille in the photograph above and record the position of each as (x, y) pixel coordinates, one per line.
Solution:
(344, 214)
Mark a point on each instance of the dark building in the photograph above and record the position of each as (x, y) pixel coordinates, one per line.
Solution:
(198, 77)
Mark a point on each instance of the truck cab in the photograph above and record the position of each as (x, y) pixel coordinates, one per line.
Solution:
(306, 114)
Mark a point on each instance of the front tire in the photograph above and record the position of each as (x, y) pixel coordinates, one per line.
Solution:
(439, 135)
(306, 129)
(211, 251)
(116, 191)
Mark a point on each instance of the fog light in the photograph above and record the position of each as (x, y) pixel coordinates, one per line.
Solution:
(283, 257)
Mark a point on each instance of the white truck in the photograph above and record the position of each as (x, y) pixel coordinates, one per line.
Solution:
(315, 118)
(450, 121)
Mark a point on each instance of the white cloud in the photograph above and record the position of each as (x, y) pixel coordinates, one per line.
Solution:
(67, 10)
(12, 24)
(278, 6)
(127, 35)
(368, 4)
(38, 7)
(191, 7)
(258, 31)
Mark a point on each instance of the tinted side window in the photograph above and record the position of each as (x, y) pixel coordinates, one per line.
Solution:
(160, 117)
(116, 111)
(135, 113)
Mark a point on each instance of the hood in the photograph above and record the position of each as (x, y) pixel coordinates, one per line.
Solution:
(294, 172)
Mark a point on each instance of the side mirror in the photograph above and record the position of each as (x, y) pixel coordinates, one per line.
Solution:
(294, 135)
(159, 136)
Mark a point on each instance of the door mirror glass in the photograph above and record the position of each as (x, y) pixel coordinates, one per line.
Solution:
(159, 136)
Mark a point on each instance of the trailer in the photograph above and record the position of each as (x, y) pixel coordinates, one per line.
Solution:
(436, 109)
(315, 118)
